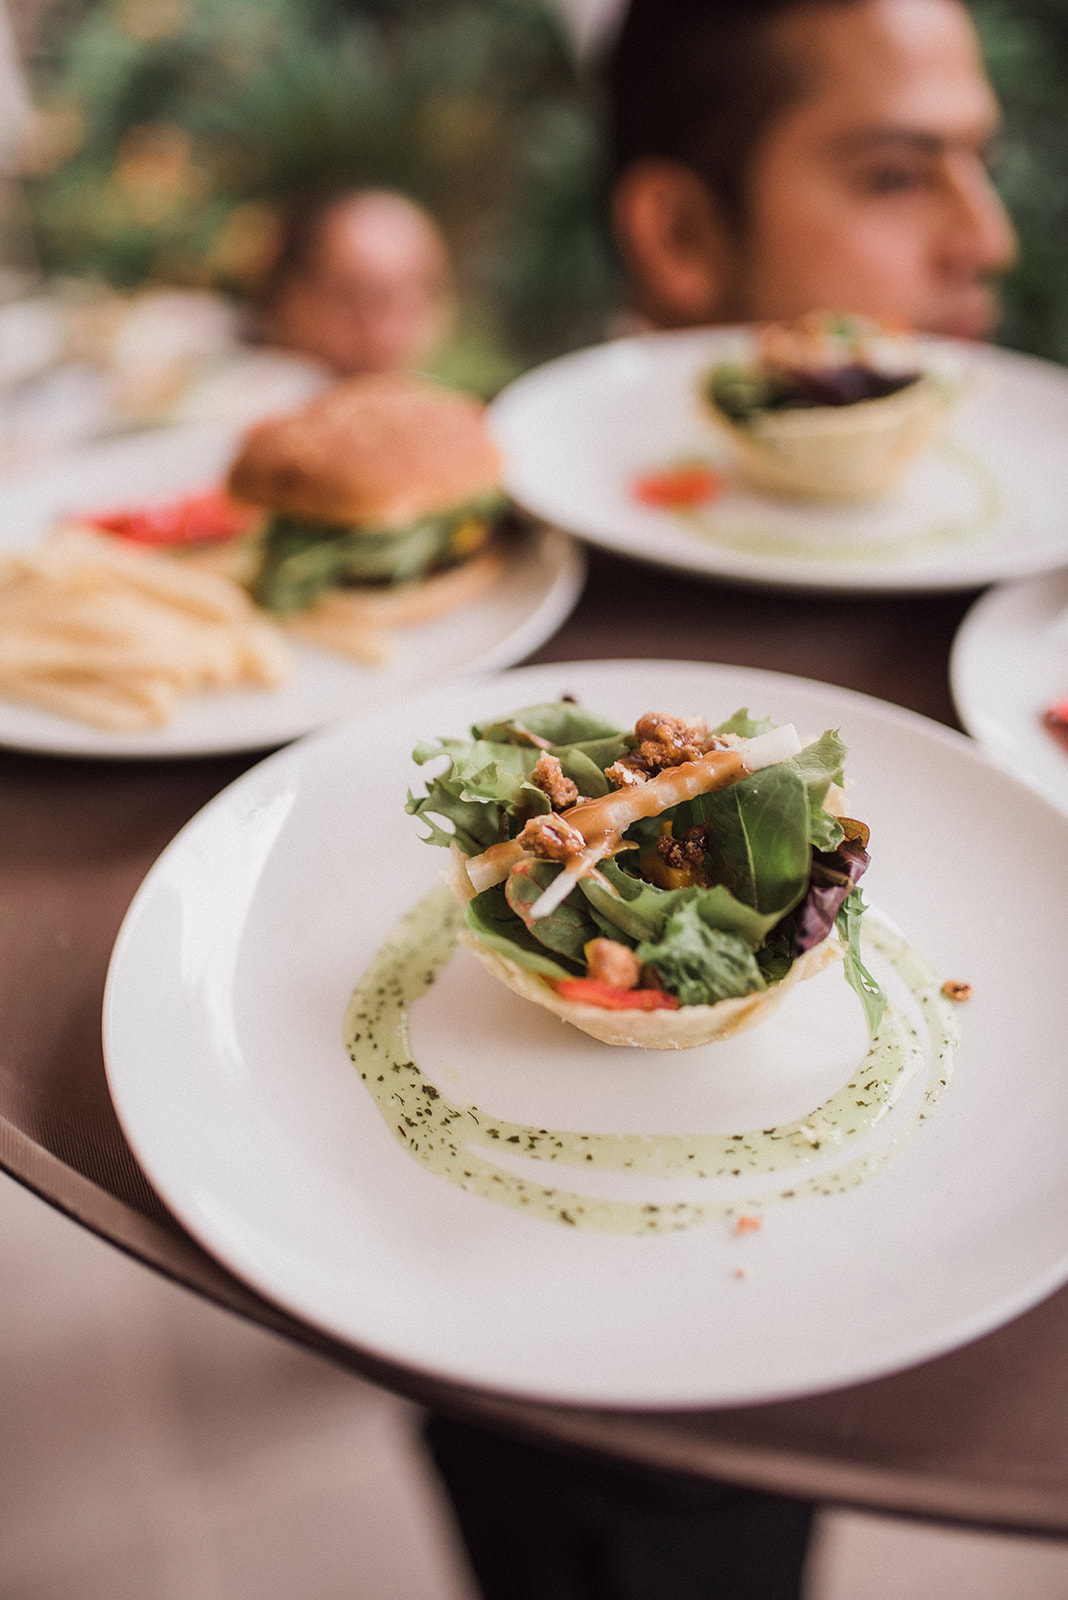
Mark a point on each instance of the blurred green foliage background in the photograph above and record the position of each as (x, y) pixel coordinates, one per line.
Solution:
(1026, 43)
(173, 132)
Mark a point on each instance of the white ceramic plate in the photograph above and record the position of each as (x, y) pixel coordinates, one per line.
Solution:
(1008, 666)
(989, 502)
(223, 1030)
(537, 590)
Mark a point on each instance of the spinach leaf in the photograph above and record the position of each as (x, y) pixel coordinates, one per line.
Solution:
(758, 838)
(492, 920)
(641, 911)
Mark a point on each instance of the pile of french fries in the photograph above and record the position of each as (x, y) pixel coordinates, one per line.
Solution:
(119, 637)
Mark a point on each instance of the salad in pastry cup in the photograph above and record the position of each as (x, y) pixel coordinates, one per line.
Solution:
(830, 407)
(662, 886)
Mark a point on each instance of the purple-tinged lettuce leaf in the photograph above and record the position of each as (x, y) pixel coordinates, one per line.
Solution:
(565, 930)
(834, 874)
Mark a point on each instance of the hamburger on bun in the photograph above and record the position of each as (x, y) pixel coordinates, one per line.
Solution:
(383, 494)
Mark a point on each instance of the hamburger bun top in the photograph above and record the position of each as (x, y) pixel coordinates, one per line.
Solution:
(382, 449)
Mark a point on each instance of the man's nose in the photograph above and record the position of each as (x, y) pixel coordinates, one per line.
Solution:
(981, 237)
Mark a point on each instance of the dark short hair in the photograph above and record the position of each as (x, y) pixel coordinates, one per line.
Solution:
(699, 81)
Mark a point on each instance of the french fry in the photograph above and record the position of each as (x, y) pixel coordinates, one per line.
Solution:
(119, 637)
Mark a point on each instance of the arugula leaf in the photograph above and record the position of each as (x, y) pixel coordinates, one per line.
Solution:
(699, 964)
(872, 997)
(492, 920)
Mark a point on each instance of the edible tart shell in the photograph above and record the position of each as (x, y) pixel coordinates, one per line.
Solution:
(851, 452)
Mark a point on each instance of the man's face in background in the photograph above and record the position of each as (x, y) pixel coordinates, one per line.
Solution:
(871, 193)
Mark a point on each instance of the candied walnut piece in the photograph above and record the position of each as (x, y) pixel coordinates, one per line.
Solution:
(688, 851)
(550, 838)
(628, 772)
(954, 989)
(548, 776)
(665, 741)
(612, 963)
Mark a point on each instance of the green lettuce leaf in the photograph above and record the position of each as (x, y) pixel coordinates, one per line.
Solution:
(483, 785)
(557, 722)
(699, 964)
(745, 726)
(819, 765)
(300, 559)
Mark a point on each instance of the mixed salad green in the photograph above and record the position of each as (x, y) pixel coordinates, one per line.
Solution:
(716, 896)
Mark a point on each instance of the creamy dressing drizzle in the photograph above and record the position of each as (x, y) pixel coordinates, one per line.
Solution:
(767, 542)
(460, 1142)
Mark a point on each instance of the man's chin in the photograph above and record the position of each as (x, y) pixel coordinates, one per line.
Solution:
(973, 315)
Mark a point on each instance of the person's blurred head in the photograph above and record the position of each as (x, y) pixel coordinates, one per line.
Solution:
(781, 156)
(363, 281)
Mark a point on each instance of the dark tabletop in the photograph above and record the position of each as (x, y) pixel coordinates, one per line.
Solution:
(980, 1435)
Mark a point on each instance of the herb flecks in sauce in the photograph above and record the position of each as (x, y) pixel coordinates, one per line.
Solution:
(482, 1153)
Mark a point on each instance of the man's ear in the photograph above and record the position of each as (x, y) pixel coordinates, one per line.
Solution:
(677, 248)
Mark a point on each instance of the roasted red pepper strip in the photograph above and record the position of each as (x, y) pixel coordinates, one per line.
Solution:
(678, 487)
(198, 519)
(592, 992)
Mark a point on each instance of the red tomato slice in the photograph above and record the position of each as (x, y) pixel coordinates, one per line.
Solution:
(678, 487)
(592, 992)
(198, 519)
